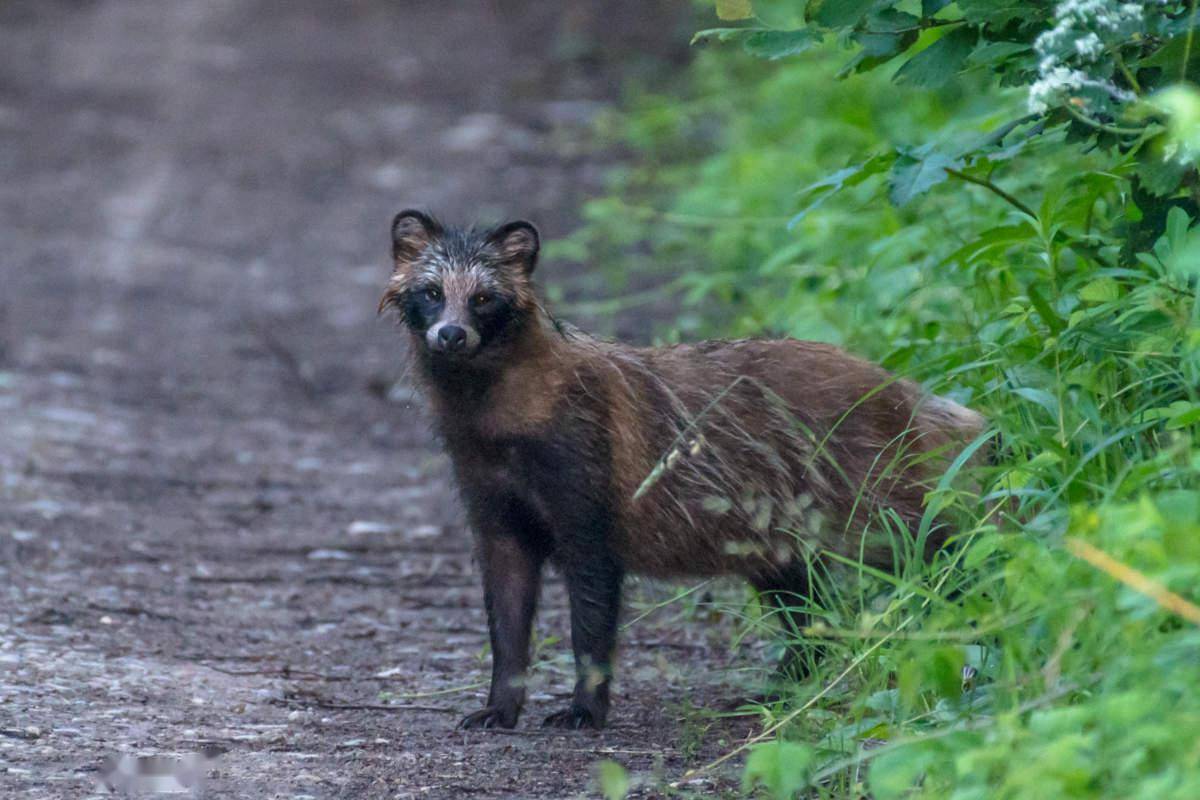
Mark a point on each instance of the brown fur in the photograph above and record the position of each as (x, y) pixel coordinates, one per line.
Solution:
(725, 434)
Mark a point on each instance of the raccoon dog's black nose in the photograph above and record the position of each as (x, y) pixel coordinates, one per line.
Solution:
(451, 338)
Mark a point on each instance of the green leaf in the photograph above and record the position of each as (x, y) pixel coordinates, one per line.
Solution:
(1039, 396)
(1001, 237)
(613, 780)
(937, 64)
(1161, 176)
(734, 9)
(832, 184)
(1179, 414)
(1101, 290)
(782, 767)
(1052, 320)
(889, 20)
(893, 773)
(996, 52)
(997, 13)
(980, 550)
(888, 32)
(762, 42)
(944, 669)
(931, 7)
(779, 44)
(838, 13)
(1179, 247)
(1184, 420)
(917, 171)
(1178, 222)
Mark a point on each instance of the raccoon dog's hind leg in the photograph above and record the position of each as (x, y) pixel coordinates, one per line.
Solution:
(788, 593)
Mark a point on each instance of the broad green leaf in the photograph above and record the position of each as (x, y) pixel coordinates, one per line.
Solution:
(1184, 418)
(916, 172)
(998, 12)
(762, 42)
(944, 669)
(996, 52)
(1040, 397)
(1170, 58)
(849, 176)
(895, 772)
(887, 33)
(734, 9)
(779, 44)
(1101, 290)
(1179, 247)
(1161, 176)
(613, 780)
(937, 64)
(838, 13)
(889, 20)
(1180, 24)
(876, 47)
(999, 238)
(979, 551)
(782, 767)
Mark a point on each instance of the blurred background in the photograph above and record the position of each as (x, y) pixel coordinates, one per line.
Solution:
(210, 470)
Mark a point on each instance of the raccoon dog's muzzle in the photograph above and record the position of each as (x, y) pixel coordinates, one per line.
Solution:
(452, 338)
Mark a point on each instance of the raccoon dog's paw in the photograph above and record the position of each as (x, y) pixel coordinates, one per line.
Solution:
(574, 718)
(490, 717)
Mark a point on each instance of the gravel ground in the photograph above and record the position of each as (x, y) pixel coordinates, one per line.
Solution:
(223, 521)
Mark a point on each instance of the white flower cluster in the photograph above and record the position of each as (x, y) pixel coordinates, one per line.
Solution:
(1073, 56)
(1061, 82)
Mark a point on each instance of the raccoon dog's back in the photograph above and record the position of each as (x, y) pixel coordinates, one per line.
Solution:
(729, 456)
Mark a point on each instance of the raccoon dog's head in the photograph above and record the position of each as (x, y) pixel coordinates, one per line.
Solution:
(462, 293)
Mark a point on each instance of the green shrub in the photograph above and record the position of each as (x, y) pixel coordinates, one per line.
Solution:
(999, 199)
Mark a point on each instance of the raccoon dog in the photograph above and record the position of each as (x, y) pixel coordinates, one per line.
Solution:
(752, 457)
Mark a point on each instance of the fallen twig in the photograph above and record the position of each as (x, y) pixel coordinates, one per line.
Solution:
(134, 611)
(235, 578)
(27, 736)
(283, 672)
(381, 707)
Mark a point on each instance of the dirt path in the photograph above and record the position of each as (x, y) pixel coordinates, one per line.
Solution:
(221, 516)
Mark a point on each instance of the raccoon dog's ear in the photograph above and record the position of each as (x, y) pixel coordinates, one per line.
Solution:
(517, 243)
(412, 231)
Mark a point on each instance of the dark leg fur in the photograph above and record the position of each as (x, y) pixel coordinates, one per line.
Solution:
(582, 518)
(512, 565)
(787, 590)
(595, 591)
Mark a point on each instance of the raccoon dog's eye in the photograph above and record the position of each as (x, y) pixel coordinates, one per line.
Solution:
(481, 299)
(432, 293)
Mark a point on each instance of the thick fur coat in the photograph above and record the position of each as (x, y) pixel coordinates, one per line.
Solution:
(750, 457)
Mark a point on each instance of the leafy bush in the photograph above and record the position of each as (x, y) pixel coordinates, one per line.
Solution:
(999, 199)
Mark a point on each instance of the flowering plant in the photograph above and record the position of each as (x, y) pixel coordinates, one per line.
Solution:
(1114, 75)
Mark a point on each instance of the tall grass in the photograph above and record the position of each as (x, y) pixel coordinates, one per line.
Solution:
(1053, 650)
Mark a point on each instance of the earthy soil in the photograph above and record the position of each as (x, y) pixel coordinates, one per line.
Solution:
(223, 520)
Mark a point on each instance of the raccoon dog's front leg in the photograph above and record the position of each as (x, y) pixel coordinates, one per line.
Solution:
(512, 567)
(594, 587)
